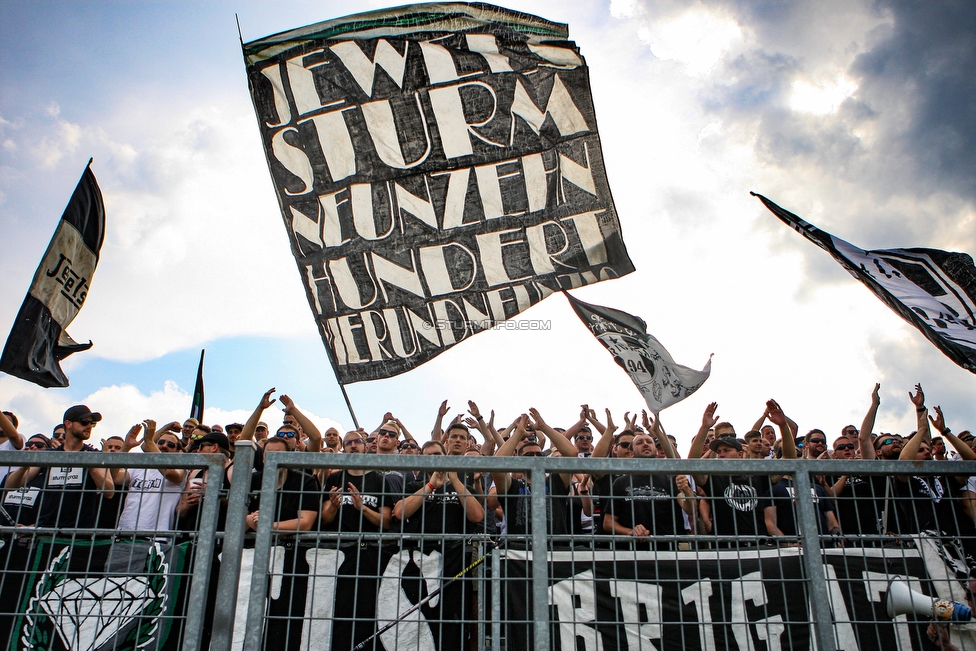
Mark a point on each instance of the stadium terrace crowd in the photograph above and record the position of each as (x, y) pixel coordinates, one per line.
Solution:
(645, 508)
(370, 513)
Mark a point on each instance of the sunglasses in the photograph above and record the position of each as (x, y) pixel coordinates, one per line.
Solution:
(409, 446)
(388, 434)
(36, 444)
(165, 443)
(624, 444)
(286, 434)
(845, 446)
(86, 422)
(533, 454)
(887, 441)
(584, 438)
(817, 441)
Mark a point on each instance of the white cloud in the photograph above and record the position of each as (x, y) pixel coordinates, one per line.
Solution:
(821, 99)
(698, 39)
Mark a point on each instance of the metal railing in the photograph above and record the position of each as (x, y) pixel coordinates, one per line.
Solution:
(539, 590)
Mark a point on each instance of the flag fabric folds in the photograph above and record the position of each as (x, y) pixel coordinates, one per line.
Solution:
(933, 290)
(650, 366)
(38, 340)
(438, 169)
(196, 408)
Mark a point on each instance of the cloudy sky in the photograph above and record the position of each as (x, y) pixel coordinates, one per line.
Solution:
(858, 116)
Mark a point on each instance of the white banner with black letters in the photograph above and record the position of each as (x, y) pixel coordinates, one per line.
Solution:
(438, 169)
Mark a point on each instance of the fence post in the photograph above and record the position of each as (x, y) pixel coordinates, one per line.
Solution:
(203, 563)
(230, 558)
(808, 524)
(540, 556)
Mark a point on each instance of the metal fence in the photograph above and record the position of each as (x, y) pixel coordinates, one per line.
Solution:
(248, 568)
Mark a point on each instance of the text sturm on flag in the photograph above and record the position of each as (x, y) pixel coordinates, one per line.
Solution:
(38, 340)
(438, 169)
(933, 290)
(660, 380)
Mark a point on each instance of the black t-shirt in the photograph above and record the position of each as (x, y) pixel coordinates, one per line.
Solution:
(24, 503)
(926, 504)
(516, 503)
(375, 493)
(783, 498)
(441, 511)
(69, 499)
(650, 500)
(734, 502)
(860, 504)
(300, 492)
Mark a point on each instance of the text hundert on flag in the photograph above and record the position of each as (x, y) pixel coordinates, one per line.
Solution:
(933, 290)
(438, 169)
(38, 340)
(661, 380)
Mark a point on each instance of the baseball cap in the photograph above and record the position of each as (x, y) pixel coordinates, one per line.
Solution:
(725, 440)
(215, 437)
(233, 426)
(81, 412)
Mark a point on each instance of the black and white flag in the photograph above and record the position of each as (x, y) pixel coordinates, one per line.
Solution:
(438, 169)
(933, 290)
(38, 340)
(660, 380)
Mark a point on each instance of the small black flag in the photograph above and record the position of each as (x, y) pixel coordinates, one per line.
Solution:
(38, 340)
(933, 290)
(657, 376)
(196, 409)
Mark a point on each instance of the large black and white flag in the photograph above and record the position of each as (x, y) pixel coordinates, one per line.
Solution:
(38, 340)
(933, 290)
(660, 380)
(438, 169)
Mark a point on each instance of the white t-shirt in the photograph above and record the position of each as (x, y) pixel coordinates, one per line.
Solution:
(151, 501)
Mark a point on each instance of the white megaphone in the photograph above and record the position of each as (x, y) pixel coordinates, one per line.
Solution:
(903, 600)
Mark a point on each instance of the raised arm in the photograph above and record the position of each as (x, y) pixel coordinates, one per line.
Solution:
(11, 432)
(503, 479)
(560, 442)
(605, 444)
(759, 423)
(437, 434)
(314, 435)
(175, 475)
(867, 425)
(709, 419)
(910, 449)
(787, 429)
(656, 431)
(247, 433)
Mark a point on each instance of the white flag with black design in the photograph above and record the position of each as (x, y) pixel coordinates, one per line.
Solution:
(933, 290)
(657, 376)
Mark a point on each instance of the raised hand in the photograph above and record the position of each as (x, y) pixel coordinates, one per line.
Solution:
(288, 403)
(918, 398)
(610, 426)
(709, 419)
(150, 426)
(776, 415)
(267, 400)
(939, 421)
(473, 409)
(876, 395)
(132, 437)
(443, 409)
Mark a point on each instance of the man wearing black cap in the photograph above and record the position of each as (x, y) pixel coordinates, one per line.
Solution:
(71, 496)
(734, 500)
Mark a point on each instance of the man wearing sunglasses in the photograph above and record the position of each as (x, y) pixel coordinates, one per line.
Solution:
(71, 496)
(734, 500)
(514, 492)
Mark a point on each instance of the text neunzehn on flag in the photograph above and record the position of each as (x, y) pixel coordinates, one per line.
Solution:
(38, 340)
(438, 169)
(933, 290)
(660, 380)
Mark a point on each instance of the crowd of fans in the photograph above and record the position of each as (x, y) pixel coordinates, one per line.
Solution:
(641, 509)
(649, 509)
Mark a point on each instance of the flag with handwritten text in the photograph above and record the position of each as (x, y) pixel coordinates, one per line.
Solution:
(438, 169)
(38, 340)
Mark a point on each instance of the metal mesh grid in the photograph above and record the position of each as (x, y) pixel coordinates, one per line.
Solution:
(420, 553)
